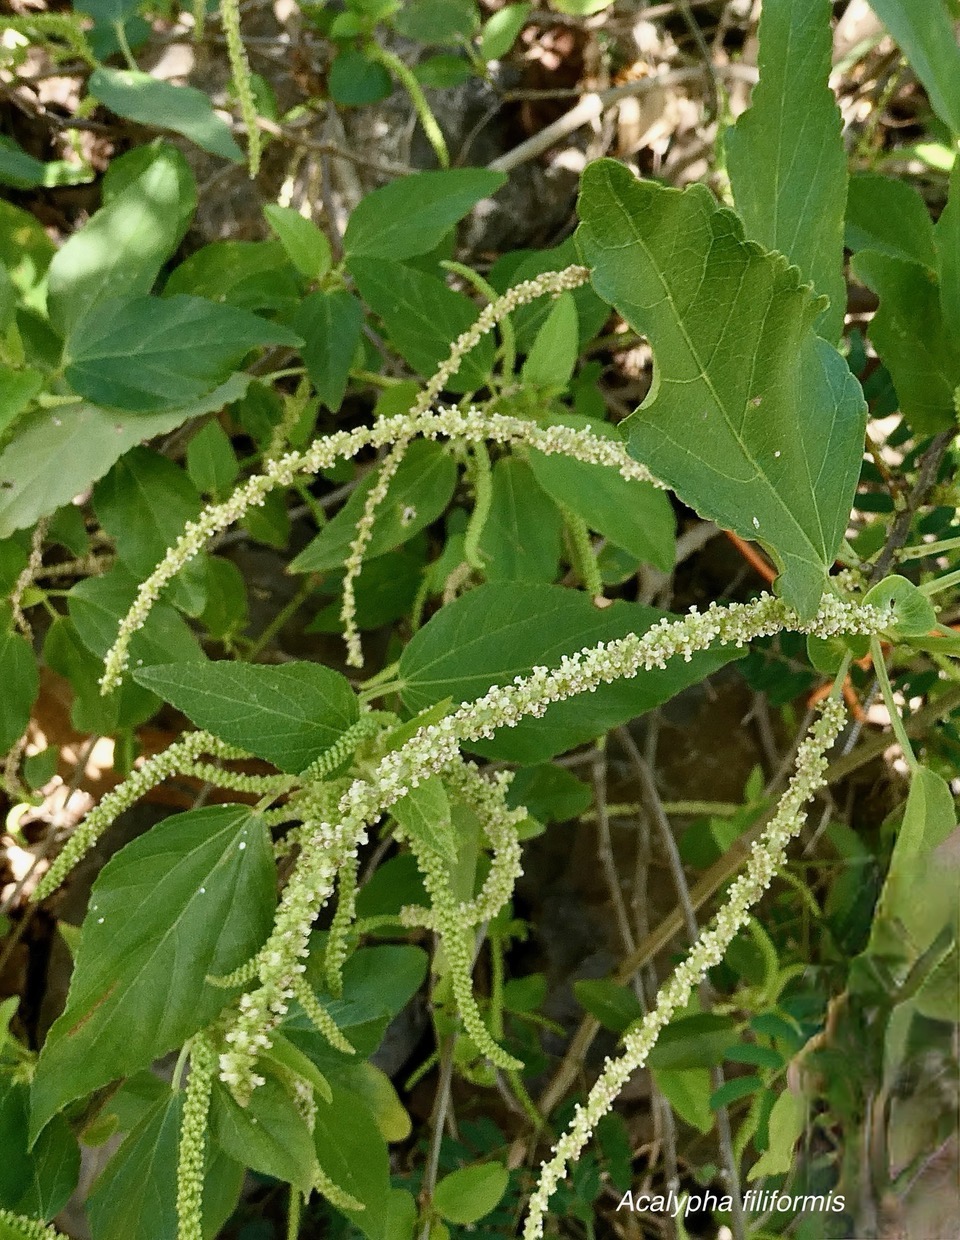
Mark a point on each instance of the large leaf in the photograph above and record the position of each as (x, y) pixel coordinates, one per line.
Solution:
(143, 504)
(288, 715)
(411, 215)
(330, 324)
(150, 101)
(925, 31)
(35, 1182)
(890, 217)
(252, 275)
(354, 1155)
(785, 155)
(502, 630)
(522, 533)
(753, 420)
(98, 604)
(149, 354)
(919, 347)
(135, 1198)
(56, 454)
(634, 515)
(422, 316)
(269, 1134)
(192, 897)
(120, 251)
(418, 493)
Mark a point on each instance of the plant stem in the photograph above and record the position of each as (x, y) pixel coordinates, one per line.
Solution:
(896, 721)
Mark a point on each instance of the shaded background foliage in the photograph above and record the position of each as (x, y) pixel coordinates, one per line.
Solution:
(352, 99)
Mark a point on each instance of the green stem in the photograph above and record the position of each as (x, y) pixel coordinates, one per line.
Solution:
(293, 1214)
(121, 33)
(483, 286)
(896, 721)
(282, 616)
(427, 119)
(929, 588)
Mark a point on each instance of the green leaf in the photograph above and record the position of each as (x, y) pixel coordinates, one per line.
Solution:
(211, 461)
(733, 1090)
(789, 426)
(193, 896)
(422, 316)
(21, 684)
(697, 1041)
(135, 1197)
(911, 612)
(616, 1007)
(467, 1195)
(891, 218)
(553, 355)
(17, 390)
(502, 630)
(378, 982)
(925, 31)
(634, 515)
(353, 1153)
(785, 1125)
(436, 21)
(785, 155)
(25, 252)
(948, 250)
(412, 215)
(40, 1182)
(162, 105)
(919, 348)
(502, 30)
(418, 493)
(143, 504)
(305, 245)
(251, 275)
(521, 537)
(688, 1092)
(424, 814)
(330, 324)
(289, 715)
(68, 656)
(55, 454)
(150, 354)
(22, 171)
(269, 1134)
(550, 793)
(98, 604)
(355, 79)
(120, 251)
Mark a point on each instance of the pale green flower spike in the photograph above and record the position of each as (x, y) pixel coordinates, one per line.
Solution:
(487, 797)
(336, 1195)
(457, 943)
(435, 748)
(193, 1139)
(496, 311)
(766, 857)
(467, 426)
(338, 942)
(176, 760)
(28, 1228)
(242, 80)
(366, 726)
(320, 1018)
(51, 26)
